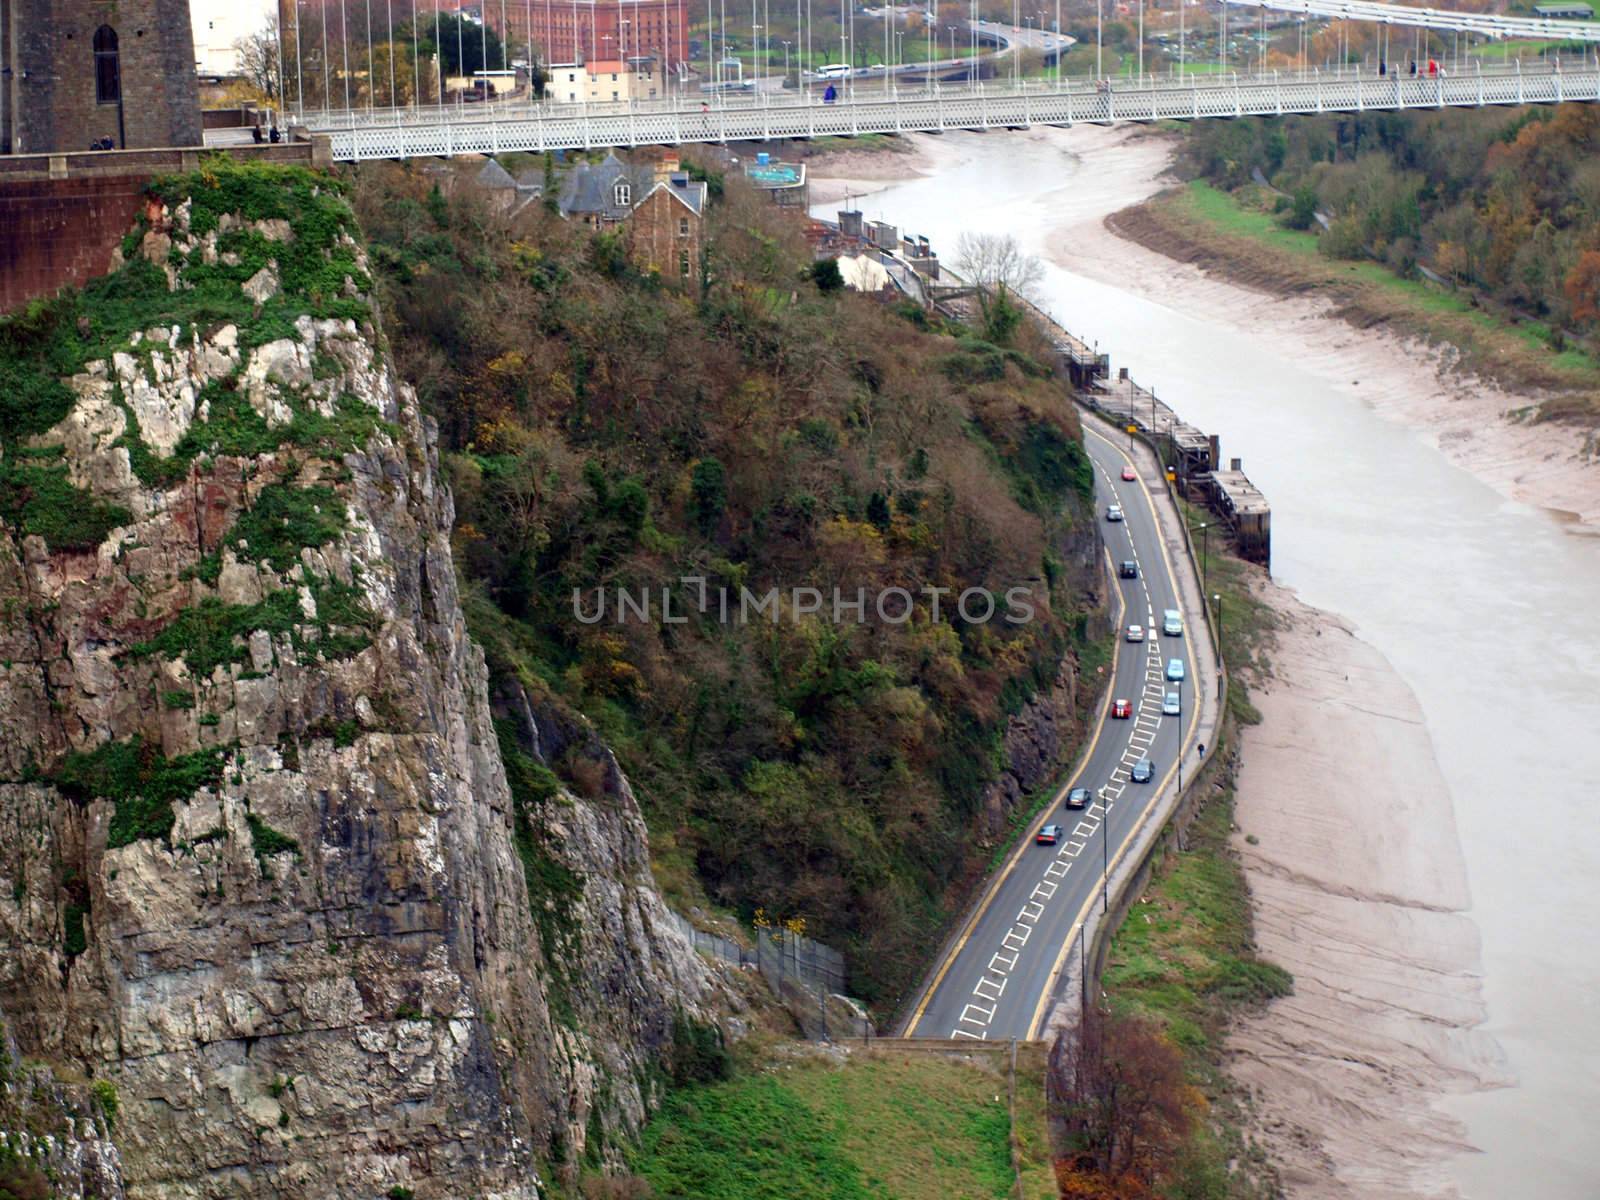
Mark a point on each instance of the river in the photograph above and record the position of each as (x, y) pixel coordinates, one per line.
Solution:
(1485, 606)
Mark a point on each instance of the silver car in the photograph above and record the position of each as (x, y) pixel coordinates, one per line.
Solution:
(1172, 623)
(1114, 512)
(1175, 670)
(1171, 705)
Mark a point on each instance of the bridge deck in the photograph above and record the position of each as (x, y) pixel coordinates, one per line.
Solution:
(403, 134)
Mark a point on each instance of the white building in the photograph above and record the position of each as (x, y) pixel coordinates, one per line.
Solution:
(602, 82)
(217, 25)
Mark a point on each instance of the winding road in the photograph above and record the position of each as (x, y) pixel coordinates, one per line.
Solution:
(998, 975)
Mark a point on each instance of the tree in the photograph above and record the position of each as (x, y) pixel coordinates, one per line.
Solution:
(825, 274)
(1582, 287)
(996, 265)
(259, 55)
(464, 46)
(1119, 1086)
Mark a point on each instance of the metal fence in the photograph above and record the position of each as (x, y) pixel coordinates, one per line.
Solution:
(782, 957)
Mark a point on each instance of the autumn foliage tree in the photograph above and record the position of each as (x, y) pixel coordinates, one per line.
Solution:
(1119, 1088)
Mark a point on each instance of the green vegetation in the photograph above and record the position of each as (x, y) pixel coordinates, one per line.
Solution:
(604, 431)
(213, 633)
(554, 889)
(284, 520)
(1185, 955)
(140, 780)
(105, 1094)
(1498, 204)
(77, 939)
(883, 1126)
(36, 497)
(268, 841)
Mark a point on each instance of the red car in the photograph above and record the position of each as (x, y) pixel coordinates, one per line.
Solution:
(1121, 709)
(1128, 474)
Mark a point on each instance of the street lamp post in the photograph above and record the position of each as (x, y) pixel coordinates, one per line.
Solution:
(786, 63)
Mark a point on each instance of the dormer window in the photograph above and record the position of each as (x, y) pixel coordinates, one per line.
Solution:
(624, 195)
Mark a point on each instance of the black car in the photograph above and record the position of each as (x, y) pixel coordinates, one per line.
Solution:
(1080, 798)
(1143, 771)
(1129, 569)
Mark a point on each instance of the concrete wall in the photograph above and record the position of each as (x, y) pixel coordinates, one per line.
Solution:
(51, 102)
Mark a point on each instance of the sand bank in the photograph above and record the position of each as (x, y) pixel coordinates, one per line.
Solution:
(1348, 840)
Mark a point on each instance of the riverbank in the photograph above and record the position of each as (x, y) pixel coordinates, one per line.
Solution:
(1345, 1076)
(1347, 837)
(834, 174)
(1494, 398)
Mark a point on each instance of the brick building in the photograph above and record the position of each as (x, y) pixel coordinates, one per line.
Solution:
(568, 33)
(83, 72)
(664, 229)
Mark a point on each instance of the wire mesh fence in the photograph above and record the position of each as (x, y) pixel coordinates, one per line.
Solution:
(784, 958)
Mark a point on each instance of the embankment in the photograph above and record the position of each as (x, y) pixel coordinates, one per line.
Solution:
(1477, 386)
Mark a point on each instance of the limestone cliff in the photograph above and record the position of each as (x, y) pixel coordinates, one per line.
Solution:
(260, 866)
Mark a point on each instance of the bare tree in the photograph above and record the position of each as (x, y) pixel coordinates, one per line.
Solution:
(258, 59)
(1120, 1089)
(996, 265)
(995, 260)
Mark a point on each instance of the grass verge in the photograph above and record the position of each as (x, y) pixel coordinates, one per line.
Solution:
(1185, 954)
(1235, 234)
(881, 1124)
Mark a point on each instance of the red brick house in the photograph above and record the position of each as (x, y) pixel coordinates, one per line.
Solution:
(664, 229)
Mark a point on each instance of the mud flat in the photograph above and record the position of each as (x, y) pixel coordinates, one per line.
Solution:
(1348, 840)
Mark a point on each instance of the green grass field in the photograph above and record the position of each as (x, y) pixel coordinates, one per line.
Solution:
(881, 1126)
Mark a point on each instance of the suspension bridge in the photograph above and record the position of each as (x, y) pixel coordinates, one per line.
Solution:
(932, 105)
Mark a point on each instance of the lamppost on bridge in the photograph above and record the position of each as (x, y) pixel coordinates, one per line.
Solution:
(786, 65)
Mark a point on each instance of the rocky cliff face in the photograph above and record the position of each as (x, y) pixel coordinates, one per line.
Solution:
(260, 866)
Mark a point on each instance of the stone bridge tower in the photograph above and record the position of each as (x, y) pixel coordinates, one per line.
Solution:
(74, 73)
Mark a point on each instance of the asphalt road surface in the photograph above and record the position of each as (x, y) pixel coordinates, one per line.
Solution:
(997, 976)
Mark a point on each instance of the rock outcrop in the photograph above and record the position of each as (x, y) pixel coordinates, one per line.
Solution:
(261, 870)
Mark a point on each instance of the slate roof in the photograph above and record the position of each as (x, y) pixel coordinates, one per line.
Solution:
(691, 193)
(493, 175)
(590, 189)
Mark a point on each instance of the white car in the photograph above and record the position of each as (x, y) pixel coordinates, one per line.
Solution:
(1170, 705)
(1114, 512)
(1172, 623)
(1136, 633)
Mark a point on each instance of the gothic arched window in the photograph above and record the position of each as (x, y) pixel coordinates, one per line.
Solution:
(107, 70)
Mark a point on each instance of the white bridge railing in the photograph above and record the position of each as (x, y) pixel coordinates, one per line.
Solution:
(401, 133)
